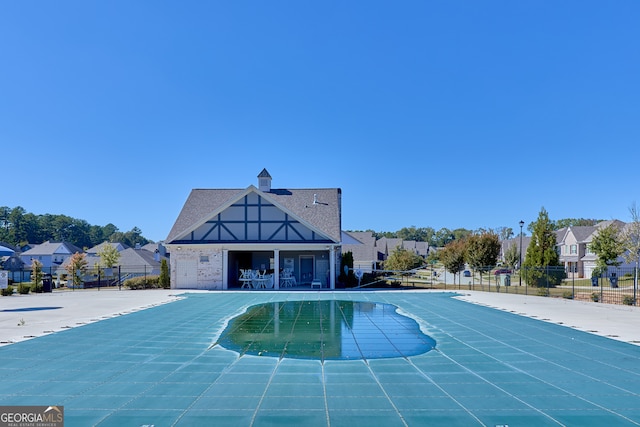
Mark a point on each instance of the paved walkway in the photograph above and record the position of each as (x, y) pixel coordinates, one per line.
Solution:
(620, 322)
(33, 315)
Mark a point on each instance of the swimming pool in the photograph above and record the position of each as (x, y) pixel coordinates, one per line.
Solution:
(325, 330)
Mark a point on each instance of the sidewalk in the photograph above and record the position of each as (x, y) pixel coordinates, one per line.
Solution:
(27, 316)
(619, 322)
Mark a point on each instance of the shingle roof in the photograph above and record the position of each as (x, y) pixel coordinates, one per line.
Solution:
(128, 258)
(119, 247)
(264, 174)
(324, 215)
(50, 248)
(365, 251)
(581, 233)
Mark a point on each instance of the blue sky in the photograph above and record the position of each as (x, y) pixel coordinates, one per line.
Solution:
(428, 113)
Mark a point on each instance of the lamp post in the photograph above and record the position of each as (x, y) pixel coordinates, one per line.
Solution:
(520, 254)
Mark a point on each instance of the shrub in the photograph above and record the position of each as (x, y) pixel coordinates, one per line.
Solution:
(164, 280)
(149, 282)
(37, 288)
(595, 297)
(542, 292)
(567, 295)
(23, 288)
(7, 292)
(542, 277)
(628, 300)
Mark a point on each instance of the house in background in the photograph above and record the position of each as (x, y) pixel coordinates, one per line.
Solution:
(50, 254)
(157, 248)
(505, 245)
(365, 255)
(220, 232)
(576, 254)
(369, 253)
(132, 263)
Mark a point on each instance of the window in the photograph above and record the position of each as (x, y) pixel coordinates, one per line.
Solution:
(204, 258)
(574, 249)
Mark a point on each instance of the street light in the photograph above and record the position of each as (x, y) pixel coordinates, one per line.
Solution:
(520, 253)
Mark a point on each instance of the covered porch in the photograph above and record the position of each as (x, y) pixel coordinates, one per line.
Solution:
(275, 268)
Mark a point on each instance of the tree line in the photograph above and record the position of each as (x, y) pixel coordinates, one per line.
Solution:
(444, 236)
(19, 227)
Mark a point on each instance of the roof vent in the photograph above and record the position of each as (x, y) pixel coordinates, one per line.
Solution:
(264, 181)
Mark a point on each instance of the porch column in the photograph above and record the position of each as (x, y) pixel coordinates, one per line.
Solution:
(332, 267)
(276, 269)
(225, 269)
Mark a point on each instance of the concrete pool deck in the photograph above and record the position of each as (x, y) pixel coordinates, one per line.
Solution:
(26, 316)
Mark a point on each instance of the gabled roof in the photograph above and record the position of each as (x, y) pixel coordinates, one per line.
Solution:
(264, 174)
(581, 232)
(603, 224)
(128, 258)
(387, 245)
(52, 248)
(13, 263)
(585, 233)
(365, 250)
(135, 257)
(318, 208)
(118, 246)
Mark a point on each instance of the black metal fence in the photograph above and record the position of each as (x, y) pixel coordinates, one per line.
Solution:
(616, 286)
(93, 277)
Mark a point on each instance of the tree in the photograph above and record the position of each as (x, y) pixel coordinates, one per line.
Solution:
(109, 256)
(482, 251)
(505, 233)
(417, 234)
(512, 256)
(570, 222)
(631, 241)
(346, 275)
(631, 235)
(452, 256)
(607, 245)
(442, 237)
(461, 233)
(36, 275)
(76, 268)
(542, 264)
(403, 260)
(130, 238)
(18, 227)
(164, 281)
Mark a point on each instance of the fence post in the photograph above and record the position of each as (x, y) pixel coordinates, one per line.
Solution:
(635, 280)
(601, 286)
